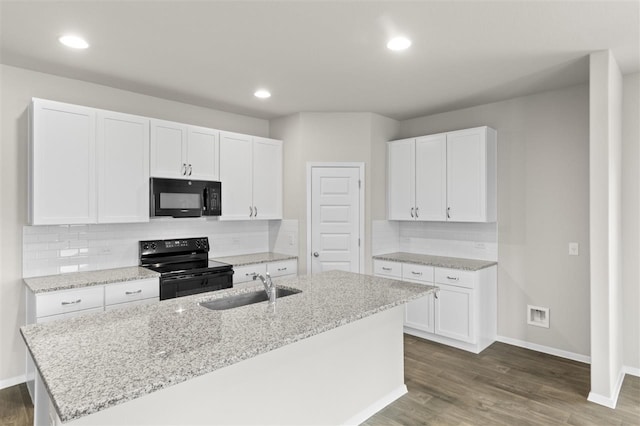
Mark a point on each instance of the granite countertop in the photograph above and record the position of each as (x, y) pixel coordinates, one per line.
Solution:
(439, 261)
(248, 259)
(87, 279)
(92, 362)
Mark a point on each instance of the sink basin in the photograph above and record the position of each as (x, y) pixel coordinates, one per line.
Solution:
(245, 299)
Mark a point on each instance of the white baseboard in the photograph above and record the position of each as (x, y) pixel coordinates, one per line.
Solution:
(12, 381)
(634, 371)
(606, 401)
(377, 406)
(545, 349)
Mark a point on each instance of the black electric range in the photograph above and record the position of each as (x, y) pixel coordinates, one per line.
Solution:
(184, 266)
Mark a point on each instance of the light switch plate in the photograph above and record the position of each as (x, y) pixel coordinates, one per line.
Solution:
(574, 249)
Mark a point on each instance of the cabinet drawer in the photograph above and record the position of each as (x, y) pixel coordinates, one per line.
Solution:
(285, 267)
(414, 272)
(134, 303)
(386, 268)
(68, 315)
(62, 302)
(455, 277)
(130, 291)
(245, 273)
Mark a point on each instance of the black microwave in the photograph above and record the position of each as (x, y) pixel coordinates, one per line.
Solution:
(184, 198)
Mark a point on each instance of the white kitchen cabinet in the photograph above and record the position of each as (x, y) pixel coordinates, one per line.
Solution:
(419, 313)
(244, 274)
(182, 151)
(267, 178)
(62, 166)
(87, 165)
(462, 313)
(443, 177)
(471, 175)
(64, 304)
(251, 176)
(401, 177)
(123, 167)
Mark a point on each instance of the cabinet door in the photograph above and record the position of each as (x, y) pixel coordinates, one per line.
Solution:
(62, 166)
(431, 178)
(419, 314)
(401, 180)
(168, 149)
(454, 313)
(123, 168)
(467, 175)
(236, 176)
(267, 178)
(202, 153)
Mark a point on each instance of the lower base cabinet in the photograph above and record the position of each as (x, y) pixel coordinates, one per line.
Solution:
(462, 313)
(243, 275)
(55, 305)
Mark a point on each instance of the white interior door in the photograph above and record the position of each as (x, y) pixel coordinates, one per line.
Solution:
(335, 219)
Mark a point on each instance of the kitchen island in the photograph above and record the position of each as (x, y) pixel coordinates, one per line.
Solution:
(331, 354)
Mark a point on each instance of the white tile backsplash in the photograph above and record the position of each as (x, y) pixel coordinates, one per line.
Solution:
(49, 250)
(467, 240)
(283, 236)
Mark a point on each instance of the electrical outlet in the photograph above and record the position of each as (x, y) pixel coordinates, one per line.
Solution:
(105, 250)
(574, 249)
(538, 316)
(291, 241)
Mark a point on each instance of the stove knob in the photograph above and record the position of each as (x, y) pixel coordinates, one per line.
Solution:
(145, 246)
(153, 246)
(197, 243)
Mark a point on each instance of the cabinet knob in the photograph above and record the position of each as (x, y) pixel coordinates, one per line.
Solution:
(448, 212)
(416, 212)
(250, 211)
(184, 169)
(411, 211)
(255, 210)
(190, 169)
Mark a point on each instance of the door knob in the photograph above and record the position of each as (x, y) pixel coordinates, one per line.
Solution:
(316, 254)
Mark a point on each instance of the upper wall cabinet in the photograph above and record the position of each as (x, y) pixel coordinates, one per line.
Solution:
(251, 176)
(183, 151)
(62, 166)
(443, 177)
(123, 168)
(87, 165)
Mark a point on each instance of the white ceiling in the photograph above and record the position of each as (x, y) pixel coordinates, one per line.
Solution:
(323, 56)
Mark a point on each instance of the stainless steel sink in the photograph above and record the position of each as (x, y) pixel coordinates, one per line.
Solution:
(245, 299)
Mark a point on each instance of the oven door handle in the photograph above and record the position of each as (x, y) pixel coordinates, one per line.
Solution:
(200, 275)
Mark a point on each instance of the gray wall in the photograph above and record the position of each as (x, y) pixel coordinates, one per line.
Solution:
(631, 219)
(17, 87)
(543, 204)
(333, 137)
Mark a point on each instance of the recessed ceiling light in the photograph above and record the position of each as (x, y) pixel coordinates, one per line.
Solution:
(262, 94)
(74, 42)
(399, 43)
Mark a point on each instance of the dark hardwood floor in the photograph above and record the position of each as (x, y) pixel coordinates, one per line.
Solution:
(505, 385)
(16, 408)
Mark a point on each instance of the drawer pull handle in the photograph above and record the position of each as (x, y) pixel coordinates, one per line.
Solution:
(282, 269)
(75, 302)
(385, 268)
(452, 278)
(416, 273)
(128, 293)
(251, 274)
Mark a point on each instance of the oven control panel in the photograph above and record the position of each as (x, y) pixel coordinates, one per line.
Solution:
(174, 246)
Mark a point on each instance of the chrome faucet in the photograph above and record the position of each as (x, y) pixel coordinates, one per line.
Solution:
(269, 286)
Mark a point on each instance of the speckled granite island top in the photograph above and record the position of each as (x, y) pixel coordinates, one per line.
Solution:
(87, 279)
(438, 261)
(248, 259)
(96, 361)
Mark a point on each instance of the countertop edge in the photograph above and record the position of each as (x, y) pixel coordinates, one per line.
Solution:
(444, 263)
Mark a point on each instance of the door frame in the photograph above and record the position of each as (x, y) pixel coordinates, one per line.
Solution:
(360, 166)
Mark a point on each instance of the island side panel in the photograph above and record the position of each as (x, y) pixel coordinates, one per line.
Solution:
(340, 376)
